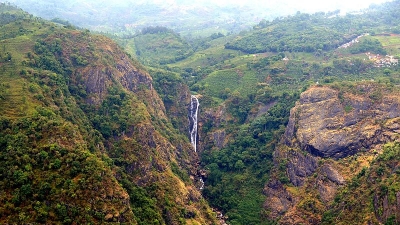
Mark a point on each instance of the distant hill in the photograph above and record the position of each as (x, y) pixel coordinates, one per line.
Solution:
(199, 18)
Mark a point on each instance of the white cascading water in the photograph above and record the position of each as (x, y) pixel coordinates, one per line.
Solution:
(202, 184)
(194, 108)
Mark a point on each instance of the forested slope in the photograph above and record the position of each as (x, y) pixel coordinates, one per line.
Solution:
(316, 32)
(84, 135)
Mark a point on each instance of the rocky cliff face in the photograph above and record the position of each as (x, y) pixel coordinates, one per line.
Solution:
(330, 124)
(99, 64)
(151, 145)
(331, 133)
(213, 118)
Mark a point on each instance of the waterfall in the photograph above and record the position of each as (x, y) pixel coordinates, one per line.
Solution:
(202, 184)
(194, 108)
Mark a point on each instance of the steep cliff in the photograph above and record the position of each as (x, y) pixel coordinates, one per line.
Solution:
(84, 135)
(332, 123)
(331, 145)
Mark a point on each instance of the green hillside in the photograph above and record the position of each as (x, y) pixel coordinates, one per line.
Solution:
(158, 45)
(84, 136)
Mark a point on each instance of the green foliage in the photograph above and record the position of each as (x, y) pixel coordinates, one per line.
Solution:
(264, 63)
(239, 107)
(55, 154)
(368, 45)
(238, 172)
(240, 82)
(348, 108)
(61, 21)
(168, 85)
(327, 218)
(4, 91)
(391, 220)
(216, 35)
(298, 33)
(179, 172)
(46, 59)
(352, 66)
(79, 60)
(317, 32)
(368, 190)
(34, 173)
(159, 45)
(156, 30)
(143, 205)
(116, 114)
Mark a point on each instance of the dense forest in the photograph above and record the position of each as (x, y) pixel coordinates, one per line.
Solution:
(311, 33)
(298, 121)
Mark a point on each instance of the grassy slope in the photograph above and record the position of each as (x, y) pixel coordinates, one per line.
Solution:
(390, 42)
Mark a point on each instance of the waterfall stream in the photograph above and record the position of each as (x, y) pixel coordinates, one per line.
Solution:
(193, 111)
(194, 108)
(202, 184)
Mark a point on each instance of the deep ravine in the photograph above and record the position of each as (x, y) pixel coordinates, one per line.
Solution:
(193, 112)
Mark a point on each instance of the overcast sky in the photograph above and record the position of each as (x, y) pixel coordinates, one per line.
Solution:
(301, 4)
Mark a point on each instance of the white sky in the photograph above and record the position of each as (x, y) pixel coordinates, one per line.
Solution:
(303, 2)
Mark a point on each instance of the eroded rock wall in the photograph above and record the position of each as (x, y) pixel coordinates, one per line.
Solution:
(329, 138)
(331, 124)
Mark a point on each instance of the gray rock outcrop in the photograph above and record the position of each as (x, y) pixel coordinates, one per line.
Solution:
(327, 124)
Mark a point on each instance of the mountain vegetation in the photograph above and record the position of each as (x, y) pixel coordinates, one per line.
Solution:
(84, 135)
(159, 46)
(298, 122)
(247, 93)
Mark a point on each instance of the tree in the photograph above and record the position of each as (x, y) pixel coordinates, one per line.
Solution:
(387, 72)
(239, 165)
